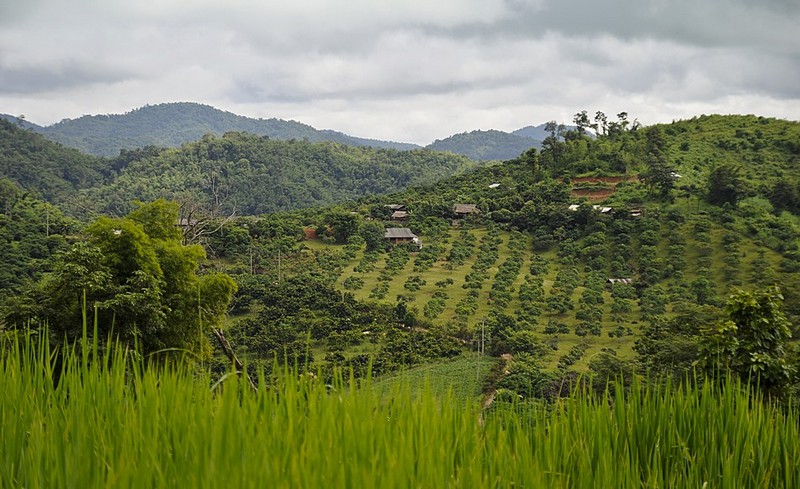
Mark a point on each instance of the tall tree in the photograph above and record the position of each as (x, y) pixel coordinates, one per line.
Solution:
(659, 174)
(139, 280)
(751, 342)
(725, 185)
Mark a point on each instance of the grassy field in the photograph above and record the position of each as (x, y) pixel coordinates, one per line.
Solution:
(461, 377)
(109, 422)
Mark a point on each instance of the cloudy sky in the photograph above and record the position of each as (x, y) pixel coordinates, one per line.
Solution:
(405, 70)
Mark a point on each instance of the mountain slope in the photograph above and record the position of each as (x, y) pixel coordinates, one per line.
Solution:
(486, 145)
(172, 124)
(35, 163)
(532, 132)
(253, 175)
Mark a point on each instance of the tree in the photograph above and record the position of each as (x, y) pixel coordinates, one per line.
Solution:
(373, 234)
(751, 341)
(659, 174)
(340, 224)
(139, 280)
(724, 185)
(581, 120)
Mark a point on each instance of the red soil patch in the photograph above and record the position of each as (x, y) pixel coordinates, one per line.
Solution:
(593, 193)
(311, 233)
(614, 180)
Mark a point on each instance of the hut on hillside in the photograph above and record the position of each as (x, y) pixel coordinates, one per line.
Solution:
(400, 236)
(464, 210)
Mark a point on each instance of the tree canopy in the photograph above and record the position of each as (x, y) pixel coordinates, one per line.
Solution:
(138, 279)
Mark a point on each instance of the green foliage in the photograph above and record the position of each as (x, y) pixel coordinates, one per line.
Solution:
(54, 172)
(725, 185)
(485, 145)
(155, 419)
(752, 340)
(253, 175)
(31, 231)
(139, 280)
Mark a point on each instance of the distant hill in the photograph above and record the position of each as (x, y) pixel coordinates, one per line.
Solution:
(486, 145)
(20, 122)
(172, 124)
(50, 169)
(253, 174)
(533, 132)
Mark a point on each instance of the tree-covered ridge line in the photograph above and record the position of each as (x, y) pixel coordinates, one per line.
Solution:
(235, 172)
(51, 170)
(486, 145)
(251, 174)
(173, 124)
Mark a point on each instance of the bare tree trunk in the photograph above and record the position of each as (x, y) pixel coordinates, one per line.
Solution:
(228, 349)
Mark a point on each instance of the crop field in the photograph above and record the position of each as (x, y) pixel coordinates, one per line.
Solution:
(462, 276)
(89, 421)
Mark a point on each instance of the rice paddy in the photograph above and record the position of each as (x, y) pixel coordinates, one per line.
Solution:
(83, 418)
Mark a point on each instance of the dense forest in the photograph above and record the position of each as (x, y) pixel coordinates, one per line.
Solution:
(486, 145)
(238, 172)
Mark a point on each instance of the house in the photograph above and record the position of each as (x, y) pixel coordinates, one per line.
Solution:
(464, 210)
(597, 208)
(396, 207)
(399, 215)
(612, 281)
(636, 212)
(400, 235)
(494, 185)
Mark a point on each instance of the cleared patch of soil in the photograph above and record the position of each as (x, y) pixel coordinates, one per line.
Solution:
(593, 193)
(617, 179)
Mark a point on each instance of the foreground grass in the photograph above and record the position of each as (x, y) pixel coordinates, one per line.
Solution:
(112, 423)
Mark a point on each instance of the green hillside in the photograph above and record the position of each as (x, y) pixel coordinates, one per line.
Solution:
(528, 276)
(621, 253)
(54, 172)
(486, 145)
(252, 174)
(173, 124)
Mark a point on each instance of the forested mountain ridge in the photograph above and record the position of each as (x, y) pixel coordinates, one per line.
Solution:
(172, 124)
(50, 169)
(252, 174)
(486, 145)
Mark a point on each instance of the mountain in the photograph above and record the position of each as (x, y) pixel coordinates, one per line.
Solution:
(486, 145)
(53, 171)
(172, 124)
(533, 132)
(21, 122)
(252, 174)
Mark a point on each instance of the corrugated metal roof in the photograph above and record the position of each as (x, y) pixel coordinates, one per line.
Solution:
(399, 233)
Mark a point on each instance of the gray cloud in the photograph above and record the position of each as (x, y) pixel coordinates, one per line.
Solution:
(412, 70)
(38, 79)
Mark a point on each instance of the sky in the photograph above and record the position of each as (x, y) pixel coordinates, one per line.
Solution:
(403, 70)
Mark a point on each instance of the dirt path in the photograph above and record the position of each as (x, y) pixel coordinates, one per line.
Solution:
(488, 398)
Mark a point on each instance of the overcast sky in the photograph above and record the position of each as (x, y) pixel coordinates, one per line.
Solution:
(405, 70)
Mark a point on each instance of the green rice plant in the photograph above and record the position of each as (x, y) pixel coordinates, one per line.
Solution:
(81, 416)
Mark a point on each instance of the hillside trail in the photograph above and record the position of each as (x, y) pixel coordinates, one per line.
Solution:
(488, 398)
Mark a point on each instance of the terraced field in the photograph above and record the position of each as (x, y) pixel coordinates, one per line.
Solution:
(463, 276)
